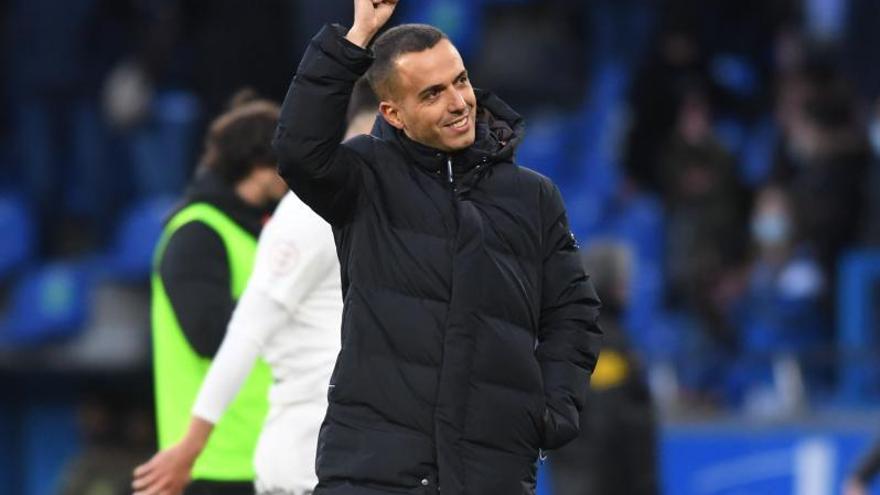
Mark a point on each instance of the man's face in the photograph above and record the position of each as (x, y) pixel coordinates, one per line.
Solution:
(432, 98)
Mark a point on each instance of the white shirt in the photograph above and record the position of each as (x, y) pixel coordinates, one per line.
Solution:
(290, 315)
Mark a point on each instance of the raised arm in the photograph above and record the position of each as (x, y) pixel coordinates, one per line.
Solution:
(569, 335)
(325, 174)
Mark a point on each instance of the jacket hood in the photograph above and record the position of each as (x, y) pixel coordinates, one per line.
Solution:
(499, 130)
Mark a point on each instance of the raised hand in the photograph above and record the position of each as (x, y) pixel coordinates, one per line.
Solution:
(369, 17)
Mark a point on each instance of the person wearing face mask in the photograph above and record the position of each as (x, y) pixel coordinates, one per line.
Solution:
(201, 265)
(780, 317)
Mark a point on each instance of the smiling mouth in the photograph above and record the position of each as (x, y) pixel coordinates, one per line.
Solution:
(459, 123)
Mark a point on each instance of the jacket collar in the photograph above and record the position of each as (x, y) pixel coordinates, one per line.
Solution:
(499, 130)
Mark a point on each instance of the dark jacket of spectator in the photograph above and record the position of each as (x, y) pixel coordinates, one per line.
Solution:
(616, 452)
(707, 217)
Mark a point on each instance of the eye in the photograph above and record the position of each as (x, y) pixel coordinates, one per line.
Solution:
(431, 95)
(462, 79)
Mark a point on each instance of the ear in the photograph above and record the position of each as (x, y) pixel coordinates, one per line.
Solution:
(391, 113)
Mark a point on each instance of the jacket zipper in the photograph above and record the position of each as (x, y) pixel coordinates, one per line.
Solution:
(449, 170)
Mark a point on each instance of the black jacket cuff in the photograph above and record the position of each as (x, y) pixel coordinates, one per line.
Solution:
(332, 42)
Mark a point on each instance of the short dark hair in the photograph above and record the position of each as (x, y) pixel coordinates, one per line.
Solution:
(240, 139)
(399, 40)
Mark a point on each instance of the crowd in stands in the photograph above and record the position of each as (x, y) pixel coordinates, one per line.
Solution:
(730, 149)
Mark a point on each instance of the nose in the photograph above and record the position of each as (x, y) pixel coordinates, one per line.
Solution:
(456, 102)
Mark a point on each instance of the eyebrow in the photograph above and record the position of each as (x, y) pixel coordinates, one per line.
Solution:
(439, 87)
(436, 87)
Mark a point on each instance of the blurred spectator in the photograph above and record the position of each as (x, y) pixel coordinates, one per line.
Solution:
(616, 452)
(186, 57)
(539, 37)
(871, 226)
(825, 20)
(780, 319)
(213, 48)
(618, 29)
(655, 99)
(826, 165)
(705, 205)
(861, 41)
(106, 100)
(239, 44)
(117, 432)
(721, 47)
(735, 37)
(52, 68)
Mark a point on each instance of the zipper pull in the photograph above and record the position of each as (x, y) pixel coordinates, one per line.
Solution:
(449, 169)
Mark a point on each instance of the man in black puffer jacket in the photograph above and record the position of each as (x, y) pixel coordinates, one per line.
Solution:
(469, 331)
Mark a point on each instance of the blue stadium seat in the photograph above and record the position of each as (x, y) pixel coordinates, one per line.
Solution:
(758, 151)
(640, 220)
(638, 223)
(160, 149)
(459, 19)
(549, 145)
(131, 253)
(18, 246)
(732, 134)
(858, 325)
(48, 302)
(600, 128)
(586, 212)
(49, 440)
(736, 74)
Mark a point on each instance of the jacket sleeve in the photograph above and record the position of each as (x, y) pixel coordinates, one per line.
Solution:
(325, 174)
(195, 272)
(569, 335)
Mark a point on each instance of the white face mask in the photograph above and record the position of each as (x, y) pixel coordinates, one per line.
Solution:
(771, 229)
(874, 136)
